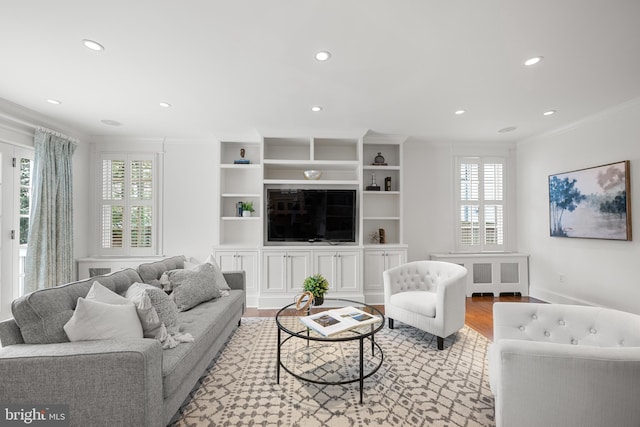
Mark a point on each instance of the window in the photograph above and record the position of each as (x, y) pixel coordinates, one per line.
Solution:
(128, 207)
(481, 205)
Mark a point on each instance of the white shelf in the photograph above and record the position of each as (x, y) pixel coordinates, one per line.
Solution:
(313, 164)
(309, 182)
(232, 195)
(240, 218)
(388, 193)
(381, 168)
(239, 166)
(381, 218)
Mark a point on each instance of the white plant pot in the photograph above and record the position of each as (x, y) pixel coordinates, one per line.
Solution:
(246, 213)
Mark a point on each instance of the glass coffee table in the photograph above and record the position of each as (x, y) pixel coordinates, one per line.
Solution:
(336, 359)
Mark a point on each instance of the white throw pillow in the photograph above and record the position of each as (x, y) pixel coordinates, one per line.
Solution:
(94, 320)
(101, 293)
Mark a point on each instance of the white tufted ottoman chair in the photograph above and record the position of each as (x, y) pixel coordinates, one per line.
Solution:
(428, 295)
(565, 365)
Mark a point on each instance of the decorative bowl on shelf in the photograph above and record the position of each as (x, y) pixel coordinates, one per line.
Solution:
(312, 174)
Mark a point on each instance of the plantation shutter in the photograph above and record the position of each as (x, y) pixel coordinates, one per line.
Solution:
(493, 204)
(113, 183)
(480, 222)
(127, 205)
(469, 225)
(141, 213)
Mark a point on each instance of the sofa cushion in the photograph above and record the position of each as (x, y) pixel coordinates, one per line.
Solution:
(152, 271)
(416, 302)
(95, 320)
(206, 323)
(42, 314)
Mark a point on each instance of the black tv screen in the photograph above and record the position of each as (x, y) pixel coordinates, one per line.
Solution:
(311, 215)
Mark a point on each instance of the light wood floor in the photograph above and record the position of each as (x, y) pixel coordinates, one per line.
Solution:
(479, 312)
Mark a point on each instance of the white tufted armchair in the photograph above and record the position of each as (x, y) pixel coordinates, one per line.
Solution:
(564, 365)
(428, 295)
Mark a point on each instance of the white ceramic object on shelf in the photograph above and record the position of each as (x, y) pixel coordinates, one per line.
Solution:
(312, 174)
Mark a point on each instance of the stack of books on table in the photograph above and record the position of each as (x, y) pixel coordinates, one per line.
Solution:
(338, 320)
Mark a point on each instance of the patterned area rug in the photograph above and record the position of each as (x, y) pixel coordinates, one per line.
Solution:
(417, 385)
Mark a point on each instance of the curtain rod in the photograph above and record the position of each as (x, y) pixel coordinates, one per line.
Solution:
(37, 127)
(58, 134)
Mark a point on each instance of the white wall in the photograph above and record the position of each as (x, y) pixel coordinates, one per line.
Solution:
(597, 272)
(190, 198)
(81, 166)
(429, 194)
(428, 199)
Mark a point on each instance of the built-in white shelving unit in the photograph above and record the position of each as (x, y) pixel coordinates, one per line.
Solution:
(382, 209)
(280, 162)
(240, 183)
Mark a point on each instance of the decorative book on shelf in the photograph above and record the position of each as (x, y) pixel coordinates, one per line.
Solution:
(331, 322)
(242, 162)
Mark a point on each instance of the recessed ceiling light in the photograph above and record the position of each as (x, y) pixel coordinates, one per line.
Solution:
(111, 122)
(54, 101)
(533, 61)
(316, 108)
(323, 55)
(165, 104)
(459, 112)
(508, 129)
(549, 113)
(93, 45)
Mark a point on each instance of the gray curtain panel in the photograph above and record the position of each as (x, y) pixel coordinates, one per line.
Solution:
(49, 260)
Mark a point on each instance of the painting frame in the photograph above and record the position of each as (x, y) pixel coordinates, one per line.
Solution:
(591, 203)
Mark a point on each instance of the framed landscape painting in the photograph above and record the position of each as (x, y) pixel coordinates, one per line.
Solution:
(591, 203)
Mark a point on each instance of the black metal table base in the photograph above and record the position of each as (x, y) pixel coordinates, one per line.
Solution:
(361, 337)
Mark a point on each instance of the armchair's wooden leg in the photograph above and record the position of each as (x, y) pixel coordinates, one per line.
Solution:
(440, 343)
(390, 323)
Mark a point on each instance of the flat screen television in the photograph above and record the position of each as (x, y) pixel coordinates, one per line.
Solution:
(310, 215)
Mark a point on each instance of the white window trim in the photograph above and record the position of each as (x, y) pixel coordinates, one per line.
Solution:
(96, 186)
(482, 247)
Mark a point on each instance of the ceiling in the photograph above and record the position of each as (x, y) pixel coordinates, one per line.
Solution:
(242, 67)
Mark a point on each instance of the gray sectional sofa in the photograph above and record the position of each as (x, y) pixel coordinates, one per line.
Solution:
(123, 382)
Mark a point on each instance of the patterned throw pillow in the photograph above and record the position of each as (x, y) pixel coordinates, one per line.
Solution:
(146, 311)
(165, 308)
(191, 287)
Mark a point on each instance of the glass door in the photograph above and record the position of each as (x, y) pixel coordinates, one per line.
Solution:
(16, 167)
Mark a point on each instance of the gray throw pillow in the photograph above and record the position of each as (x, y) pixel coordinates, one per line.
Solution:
(220, 281)
(165, 308)
(191, 287)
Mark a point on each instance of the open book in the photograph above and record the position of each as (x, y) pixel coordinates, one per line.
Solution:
(334, 321)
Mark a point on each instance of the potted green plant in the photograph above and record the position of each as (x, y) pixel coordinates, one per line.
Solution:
(247, 208)
(318, 286)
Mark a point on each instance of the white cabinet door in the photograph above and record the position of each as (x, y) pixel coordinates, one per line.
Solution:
(374, 265)
(324, 263)
(226, 260)
(340, 268)
(285, 271)
(395, 258)
(274, 271)
(377, 261)
(298, 267)
(348, 271)
(247, 261)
